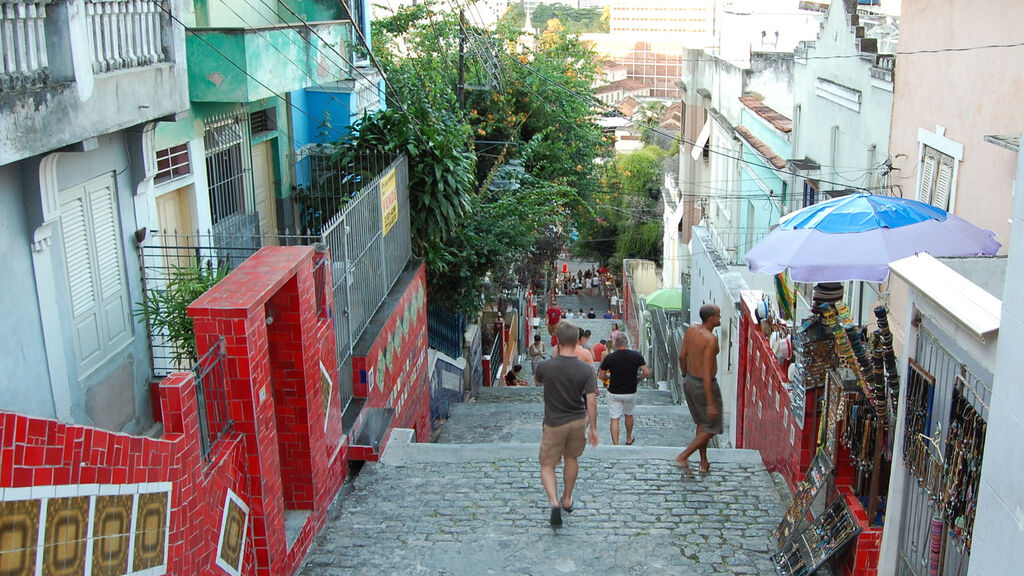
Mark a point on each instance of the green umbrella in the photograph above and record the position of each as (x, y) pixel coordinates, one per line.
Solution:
(666, 298)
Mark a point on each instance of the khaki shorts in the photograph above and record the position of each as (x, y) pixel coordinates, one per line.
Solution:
(567, 440)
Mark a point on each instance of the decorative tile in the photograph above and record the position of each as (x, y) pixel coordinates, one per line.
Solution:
(19, 534)
(231, 547)
(67, 526)
(150, 531)
(326, 387)
(112, 527)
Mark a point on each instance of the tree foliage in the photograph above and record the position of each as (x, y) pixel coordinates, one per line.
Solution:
(532, 106)
(628, 219)
(574, 20)
(166, 310)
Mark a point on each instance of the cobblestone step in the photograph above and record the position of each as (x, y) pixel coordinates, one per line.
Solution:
(442, 509)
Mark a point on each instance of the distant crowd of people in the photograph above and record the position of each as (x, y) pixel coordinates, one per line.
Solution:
(593, 281)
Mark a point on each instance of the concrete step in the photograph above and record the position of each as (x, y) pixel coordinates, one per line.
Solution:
(526, 394)
(402, 448)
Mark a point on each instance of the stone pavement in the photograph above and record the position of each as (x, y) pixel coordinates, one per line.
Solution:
(514, 414)
(473, 504)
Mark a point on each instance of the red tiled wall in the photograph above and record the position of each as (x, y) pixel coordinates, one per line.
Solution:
(862, 557)
(405, 385)
(274, 399)
(764, 422)
(275, 394)
(38, 452)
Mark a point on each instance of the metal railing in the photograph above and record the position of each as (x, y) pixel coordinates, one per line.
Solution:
(325, 184)
(495, 355)
(210, 374)
(124, 33)
(23, 58)
(734, 243)
(163, 252)
(445, 331)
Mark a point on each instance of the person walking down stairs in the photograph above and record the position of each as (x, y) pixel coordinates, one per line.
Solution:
(621, 367)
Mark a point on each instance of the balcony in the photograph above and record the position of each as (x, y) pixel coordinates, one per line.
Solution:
(74, 71)
(248, 64)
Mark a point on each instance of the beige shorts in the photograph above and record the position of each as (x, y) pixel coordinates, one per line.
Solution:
(567, 440)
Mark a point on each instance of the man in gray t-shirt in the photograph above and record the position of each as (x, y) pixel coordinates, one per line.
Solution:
(570, 406)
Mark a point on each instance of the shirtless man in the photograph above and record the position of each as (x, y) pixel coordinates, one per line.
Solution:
(698, 359)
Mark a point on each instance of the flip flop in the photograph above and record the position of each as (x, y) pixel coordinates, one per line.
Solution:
(556, 516)
(630, 442)
(704, 469)
(568, 509)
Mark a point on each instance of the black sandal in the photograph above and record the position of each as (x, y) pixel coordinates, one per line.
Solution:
(556, 516)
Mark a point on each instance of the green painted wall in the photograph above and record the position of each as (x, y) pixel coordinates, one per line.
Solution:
(234, 65)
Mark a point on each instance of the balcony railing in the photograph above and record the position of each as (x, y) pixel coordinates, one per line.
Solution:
(22, 44)
(123, 33)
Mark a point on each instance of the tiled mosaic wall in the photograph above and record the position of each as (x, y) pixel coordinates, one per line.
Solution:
(764, 419)
(77, 500)
(394, 372)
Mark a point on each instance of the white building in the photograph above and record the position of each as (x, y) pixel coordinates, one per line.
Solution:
(842, 110)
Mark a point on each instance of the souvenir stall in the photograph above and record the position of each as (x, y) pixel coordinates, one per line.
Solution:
(819, 424)
(840, 394)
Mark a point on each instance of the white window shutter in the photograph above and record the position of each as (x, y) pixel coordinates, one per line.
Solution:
(74, 225)
(74, 231)
(943, 184)
(702, 140)
(91, 234)
(928, 164)
(109, 266)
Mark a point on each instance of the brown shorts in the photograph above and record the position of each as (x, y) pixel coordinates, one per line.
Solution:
(567, 440)
(696, 400)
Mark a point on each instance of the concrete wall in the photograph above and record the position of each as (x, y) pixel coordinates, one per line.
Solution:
(739, 27)
(21, 336)
(712, 282)
(115, 394)
(79, 104)
(980, 102)
(999, 524)
(852, 156)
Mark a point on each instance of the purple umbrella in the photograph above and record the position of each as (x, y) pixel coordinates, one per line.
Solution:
(856, 237)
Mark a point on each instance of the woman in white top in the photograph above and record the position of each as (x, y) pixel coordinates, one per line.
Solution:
(536, 351)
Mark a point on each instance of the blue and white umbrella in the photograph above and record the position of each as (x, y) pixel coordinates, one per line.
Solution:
(855, 237)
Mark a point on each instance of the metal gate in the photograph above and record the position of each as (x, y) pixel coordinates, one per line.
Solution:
(368, 253)
(933, 538)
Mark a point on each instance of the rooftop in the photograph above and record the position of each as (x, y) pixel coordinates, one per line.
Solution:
(762, 148)
(780, 122)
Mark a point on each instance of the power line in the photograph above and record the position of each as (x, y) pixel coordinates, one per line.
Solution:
(357, 26)
(597, 103)
(233, 63)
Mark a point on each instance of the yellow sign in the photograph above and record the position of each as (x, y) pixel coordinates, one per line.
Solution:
(388, 202)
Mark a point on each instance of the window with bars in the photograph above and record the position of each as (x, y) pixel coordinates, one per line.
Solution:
(228, 168)
(263, 121)
(172, 163)
(936, 178)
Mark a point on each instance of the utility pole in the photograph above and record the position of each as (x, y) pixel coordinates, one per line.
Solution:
(460, 90)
